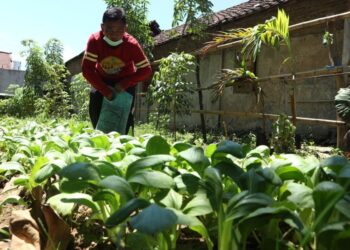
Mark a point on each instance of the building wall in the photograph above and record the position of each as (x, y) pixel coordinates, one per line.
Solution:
(8, 77)
(314, 96)
(5, 60)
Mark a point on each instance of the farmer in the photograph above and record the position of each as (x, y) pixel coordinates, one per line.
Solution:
(113, 62)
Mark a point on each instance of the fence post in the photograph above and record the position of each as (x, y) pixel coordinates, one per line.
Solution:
(342, 80)
(200, 98)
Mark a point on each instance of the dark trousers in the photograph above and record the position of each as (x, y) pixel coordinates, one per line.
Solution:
(95, 106)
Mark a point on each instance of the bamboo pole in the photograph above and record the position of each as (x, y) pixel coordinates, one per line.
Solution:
(221, 96)
(305, 120)
(318, 21)
(293, 105)
(326, 72)
(293, 27)
(315, 101)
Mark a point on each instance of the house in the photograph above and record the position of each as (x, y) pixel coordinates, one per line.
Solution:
(10, 72)
(5, 60)
(313, 95)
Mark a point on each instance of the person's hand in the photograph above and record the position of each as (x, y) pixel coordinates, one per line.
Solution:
(111, 96)
(118, 88)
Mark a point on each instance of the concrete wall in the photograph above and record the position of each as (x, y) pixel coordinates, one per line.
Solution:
(8, 77)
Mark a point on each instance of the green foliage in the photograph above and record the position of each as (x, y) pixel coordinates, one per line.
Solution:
(342, 104)
(22, 104)
(136, 16)
(170, 90)
(79, 90)
(230, 77)
(53, 51)
(56, 101)
(283, 135)
(327, 39)
(273, 33)
(194, 13)
(37, 72)
(239, 198)
(44, 92)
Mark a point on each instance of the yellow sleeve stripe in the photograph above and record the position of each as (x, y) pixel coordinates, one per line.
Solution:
(143, 65)
(142, 62)
(90, 59)
(91, 55)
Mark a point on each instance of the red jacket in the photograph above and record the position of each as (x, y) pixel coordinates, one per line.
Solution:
(125, 64)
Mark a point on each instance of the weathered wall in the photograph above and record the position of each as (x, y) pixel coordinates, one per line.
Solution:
(8, 77)
(314, 96)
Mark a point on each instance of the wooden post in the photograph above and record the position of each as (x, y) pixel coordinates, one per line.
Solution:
(293, 103)
(200, 98)
(342, 81)
(220, 97)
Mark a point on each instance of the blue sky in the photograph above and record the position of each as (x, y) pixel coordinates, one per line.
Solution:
(70, 21)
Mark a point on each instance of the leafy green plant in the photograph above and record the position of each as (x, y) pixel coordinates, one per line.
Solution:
(224, 193)
(283, 135)
(170, 90)
(229, 77)
(342, 104)
(79, 90)
(194, 13)
(22, 104)
(273, 33)
(45, 92)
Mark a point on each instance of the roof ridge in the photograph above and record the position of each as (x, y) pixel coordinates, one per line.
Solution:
(226, 15)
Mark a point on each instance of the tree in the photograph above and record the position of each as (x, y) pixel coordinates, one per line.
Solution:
(46, 75)
(194, 13)
(170, 90)
(37, 73)
(53, 51)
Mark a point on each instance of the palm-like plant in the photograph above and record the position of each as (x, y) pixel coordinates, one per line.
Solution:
(273, 33)
(229, 77)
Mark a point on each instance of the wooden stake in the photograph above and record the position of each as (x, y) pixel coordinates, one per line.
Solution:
(342, 81)
(200, 99)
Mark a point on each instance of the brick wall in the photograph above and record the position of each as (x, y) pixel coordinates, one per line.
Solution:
(5, 60)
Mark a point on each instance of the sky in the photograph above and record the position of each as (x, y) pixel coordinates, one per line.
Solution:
(70, 21)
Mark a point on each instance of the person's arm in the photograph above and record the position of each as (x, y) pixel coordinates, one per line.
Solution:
(89, 69)
(143, 68)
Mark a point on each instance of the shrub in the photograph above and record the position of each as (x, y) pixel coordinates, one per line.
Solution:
(283, 135)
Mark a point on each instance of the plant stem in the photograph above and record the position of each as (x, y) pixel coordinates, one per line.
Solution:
(225, 231)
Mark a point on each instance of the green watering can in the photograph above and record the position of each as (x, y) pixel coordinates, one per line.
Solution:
(115, 113)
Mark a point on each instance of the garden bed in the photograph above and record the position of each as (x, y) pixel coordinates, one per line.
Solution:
(87, 190)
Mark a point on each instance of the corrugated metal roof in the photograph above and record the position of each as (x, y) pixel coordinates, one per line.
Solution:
(233, 13)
